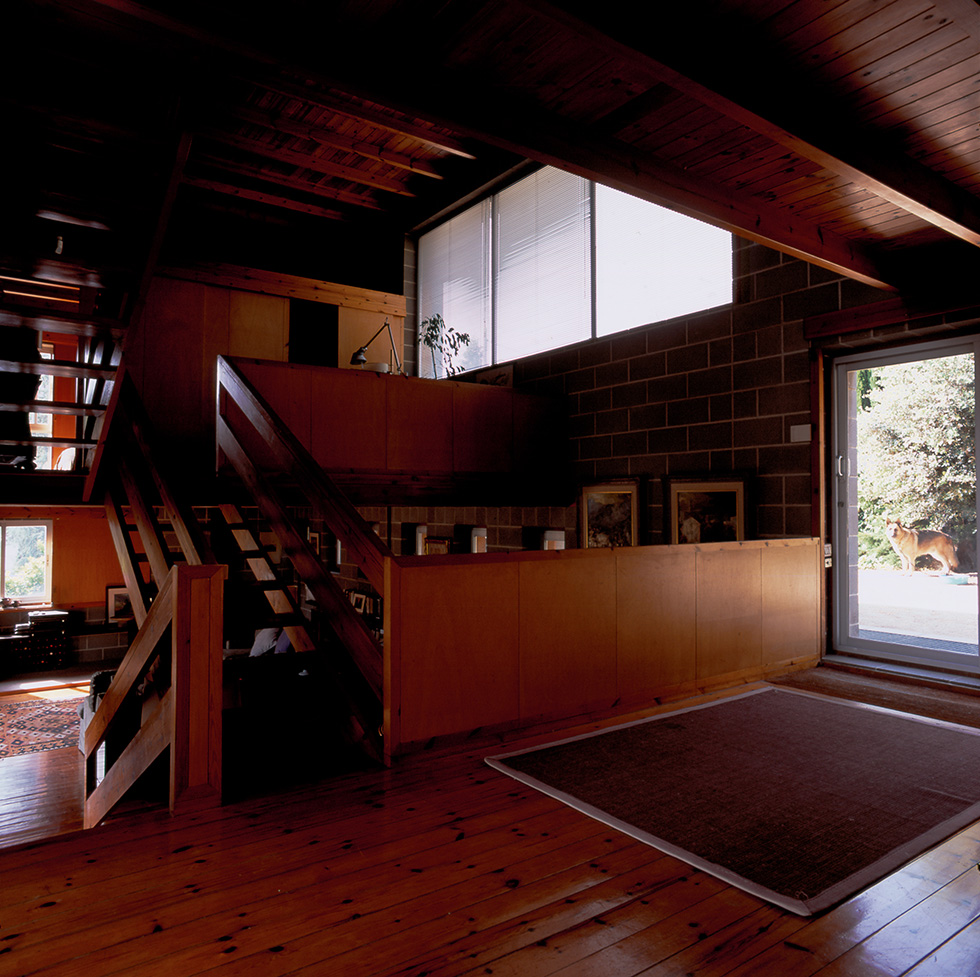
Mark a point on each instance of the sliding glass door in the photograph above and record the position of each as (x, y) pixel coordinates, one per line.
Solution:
(905, 504)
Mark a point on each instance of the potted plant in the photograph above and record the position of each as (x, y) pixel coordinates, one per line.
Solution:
(444, 340)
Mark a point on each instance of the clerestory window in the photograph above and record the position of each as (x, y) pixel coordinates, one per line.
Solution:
(555, 259)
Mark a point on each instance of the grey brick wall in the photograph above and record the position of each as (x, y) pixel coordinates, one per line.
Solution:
(712, 393)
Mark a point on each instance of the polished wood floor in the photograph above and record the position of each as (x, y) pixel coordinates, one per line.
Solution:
(444, 867)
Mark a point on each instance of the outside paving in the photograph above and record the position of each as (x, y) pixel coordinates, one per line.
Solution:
(924, 605)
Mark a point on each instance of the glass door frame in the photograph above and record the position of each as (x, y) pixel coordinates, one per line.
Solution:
(844, 478)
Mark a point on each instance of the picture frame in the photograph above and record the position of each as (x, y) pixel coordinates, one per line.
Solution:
(118, 607)
(704, 509)
(314, 540)
(359, 602)
(437, 545)
(609, 514)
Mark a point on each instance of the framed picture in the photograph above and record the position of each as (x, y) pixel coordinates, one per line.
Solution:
(437, 545)
(314, 539)
(705, 509)
(118, 607)
(359, 601)
(608, 514)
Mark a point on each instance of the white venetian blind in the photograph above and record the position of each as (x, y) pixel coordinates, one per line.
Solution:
(454, 282)
(653, 264)
(542, 263)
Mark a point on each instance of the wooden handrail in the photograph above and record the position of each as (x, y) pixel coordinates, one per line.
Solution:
(343, 620)
(187, 717)
(133, 668)
(366, 550)
(188, 605)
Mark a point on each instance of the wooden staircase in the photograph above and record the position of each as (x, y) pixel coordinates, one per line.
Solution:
(178, 587)
(28, 309)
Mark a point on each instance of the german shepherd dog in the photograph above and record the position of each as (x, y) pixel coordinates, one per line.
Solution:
(910, 544)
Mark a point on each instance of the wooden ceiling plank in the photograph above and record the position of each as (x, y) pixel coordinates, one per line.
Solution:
(325, 137)
(847, 27)
(904, 182)
(876, 103)
(306, 162)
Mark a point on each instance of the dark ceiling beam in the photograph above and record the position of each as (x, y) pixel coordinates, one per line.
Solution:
(550, 141)
(271, 60)
(282, 180)
(305, 161)
(335, 140)
(747, 94)
(363, 113)
(269, 199)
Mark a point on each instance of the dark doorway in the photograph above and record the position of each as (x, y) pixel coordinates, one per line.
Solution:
(312, 333)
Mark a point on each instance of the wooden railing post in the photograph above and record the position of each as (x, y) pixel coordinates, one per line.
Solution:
(195, 756)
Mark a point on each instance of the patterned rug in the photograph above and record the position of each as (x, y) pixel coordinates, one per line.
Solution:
(34, 725)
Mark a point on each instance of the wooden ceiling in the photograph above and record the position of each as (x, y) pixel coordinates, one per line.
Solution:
(843, 131)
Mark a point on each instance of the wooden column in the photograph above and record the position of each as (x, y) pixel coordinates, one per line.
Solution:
(195, 756)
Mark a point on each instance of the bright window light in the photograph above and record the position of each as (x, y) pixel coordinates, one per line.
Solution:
(653, 264)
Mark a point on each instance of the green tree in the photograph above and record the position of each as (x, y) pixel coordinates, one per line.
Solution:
(916, 451)
(24, 561)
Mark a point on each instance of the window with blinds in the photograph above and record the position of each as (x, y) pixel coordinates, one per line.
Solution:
(653, 264)
(554, 260)
(542, 264)
(454, 282)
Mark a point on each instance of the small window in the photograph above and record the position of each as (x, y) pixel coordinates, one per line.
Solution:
(25, 558)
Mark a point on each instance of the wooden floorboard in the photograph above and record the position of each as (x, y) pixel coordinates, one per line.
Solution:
(439, 867)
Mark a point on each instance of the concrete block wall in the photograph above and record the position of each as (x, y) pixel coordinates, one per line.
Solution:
(713, 393)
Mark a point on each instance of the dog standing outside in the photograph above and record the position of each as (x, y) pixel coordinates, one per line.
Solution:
(910, 544)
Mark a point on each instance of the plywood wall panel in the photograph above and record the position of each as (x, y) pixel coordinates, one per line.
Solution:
(258, 325)
(656, 603)
(790, 602)
(171, 382)
(729, 615)
(83, 558)
(420, 433)
(458, 649)
(287, 390)
(595, 629)
(348, 421)
(483, 428)
(568, 633)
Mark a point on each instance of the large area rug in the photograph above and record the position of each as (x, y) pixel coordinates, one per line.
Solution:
(800, 799)
(35, 725)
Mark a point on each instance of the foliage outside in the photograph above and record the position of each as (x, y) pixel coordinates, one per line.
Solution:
(25, 562)
(444, 340)
(916, 452)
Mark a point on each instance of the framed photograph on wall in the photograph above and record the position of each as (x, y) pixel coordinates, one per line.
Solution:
(704, 509)
(608, 514)
(437, 545)
(118, 607)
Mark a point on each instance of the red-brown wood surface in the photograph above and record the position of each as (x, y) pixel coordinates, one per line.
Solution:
(442, 867)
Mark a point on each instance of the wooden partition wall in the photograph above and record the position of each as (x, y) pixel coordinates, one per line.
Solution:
(504, 640)
(357, 421)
